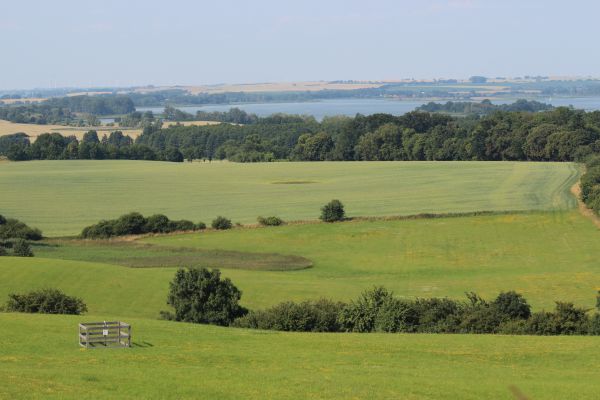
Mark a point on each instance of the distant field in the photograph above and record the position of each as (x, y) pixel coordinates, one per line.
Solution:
(40, 358)
(61, 197)
(545, 256)
(34, 130)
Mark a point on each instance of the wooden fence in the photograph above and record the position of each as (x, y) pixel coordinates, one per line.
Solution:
(104, 334)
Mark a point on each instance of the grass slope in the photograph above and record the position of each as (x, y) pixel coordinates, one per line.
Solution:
(546, 256)
(61, 197)
(40, 358)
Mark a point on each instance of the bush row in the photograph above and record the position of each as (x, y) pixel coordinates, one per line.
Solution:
(45, 301)
(200, 295)
(378, 310)
(135, 223)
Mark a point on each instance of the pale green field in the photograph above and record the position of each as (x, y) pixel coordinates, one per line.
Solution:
(61, 197)
(40, 359)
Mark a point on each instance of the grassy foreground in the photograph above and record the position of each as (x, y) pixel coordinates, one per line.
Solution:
(40, 358)
(61, 197)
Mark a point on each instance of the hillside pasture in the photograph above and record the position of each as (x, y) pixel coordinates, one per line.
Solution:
(62, 197)
(545, 256)
(40, 358)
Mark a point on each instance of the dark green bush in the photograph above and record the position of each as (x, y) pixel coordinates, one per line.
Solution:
(360, 315)
(200, 295)
(14, 229)
(45, 301)
(396, 315)
(308, 316)
(200, 226)
(512, 305)
(129, 224)
(21, 248)
(377, 310)
(134, 224)
(332, 211)
(182, 225)
(157, 223)
(270, 221)
(221, 223)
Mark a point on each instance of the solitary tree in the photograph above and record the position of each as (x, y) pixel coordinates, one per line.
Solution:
(200, 295)
(333, 211)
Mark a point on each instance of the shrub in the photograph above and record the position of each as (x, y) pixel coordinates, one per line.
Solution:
(129, 224)
(15, 229)
(221, 223)
(360, 315)
(45, 301)
(157, 223)
(270, 221)
(308, 316)
(200, 226)
(565, 320)
(438, 315)
(101, 230)
(182, 225)
(332, 211)
(22, 249)
(3, 251)
(513, 305)
(200, 295)
(2, 220)
(396, 315)
(134, 224)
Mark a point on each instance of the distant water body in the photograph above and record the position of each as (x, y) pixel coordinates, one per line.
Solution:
(351, 107)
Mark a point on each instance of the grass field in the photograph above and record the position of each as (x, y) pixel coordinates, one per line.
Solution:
(549, 254)
(61, 197)
(546, 256)
(34, 130)
(39, 358)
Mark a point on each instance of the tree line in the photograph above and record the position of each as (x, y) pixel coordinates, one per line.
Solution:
(70, 110)
(54, 146)
(484, 107)
(562, 134)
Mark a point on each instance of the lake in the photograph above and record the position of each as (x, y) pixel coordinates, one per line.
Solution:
(351, 107)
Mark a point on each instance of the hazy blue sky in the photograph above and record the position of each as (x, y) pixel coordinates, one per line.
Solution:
(81, 43)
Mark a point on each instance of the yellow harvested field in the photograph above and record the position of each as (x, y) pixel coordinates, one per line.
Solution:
(25, 100)
(33, 130)
(266, 87)
(189, 123)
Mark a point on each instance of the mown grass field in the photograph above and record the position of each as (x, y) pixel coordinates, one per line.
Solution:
(40, 358)
(61, 197)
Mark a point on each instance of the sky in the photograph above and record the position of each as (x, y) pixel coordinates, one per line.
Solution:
(82, 43)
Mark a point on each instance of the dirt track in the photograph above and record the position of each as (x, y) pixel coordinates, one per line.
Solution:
(586, 212)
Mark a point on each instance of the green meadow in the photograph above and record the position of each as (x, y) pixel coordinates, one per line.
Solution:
(547, 256)
(536, 243)
(40, 358)
(61, 197)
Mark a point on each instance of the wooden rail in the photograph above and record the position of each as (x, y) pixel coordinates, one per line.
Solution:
(104, 334)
